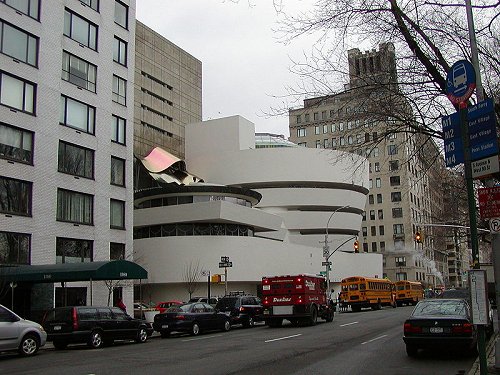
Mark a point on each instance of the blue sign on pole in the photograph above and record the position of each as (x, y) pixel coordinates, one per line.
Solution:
(482, 134)
(460, 82)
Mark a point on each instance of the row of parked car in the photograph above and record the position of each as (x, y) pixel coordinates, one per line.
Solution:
(99, 326)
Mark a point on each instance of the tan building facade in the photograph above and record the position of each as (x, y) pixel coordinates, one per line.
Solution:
(168, 93)
(405, 193)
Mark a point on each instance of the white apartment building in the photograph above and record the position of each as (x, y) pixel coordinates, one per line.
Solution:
(66, 141)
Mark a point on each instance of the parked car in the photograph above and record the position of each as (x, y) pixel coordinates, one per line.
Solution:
(440, 323)
(162, 306)
(18, 334)
(464, 293)
(192, 318)
(241, 309)
(212, 301)
(140, 308)
(94, 325)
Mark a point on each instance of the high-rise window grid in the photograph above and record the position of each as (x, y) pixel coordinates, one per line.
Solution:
(75, 207)
(94, 4)
(120, 51)
(17, 93)
(118, 127)
(16, 144)
(72, 250)
(119, 90)
(29, 7)
(117, 214)
(80, 29)
(78, 115)
(75, 160)
(121, 14)
(117, 171)
(15, 248)
(15, 196)
(79, 72)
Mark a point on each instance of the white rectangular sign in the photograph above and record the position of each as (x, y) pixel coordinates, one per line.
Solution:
(479, 296)
(485, 167)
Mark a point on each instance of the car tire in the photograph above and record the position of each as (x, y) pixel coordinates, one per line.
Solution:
(164, 334)
(329, 316)
(249, 322)
(411, 350)
(96, 341)
(60, 345)
(195, 329)
(227, 325)
(142, 335)
(29, 345)
(314, 315)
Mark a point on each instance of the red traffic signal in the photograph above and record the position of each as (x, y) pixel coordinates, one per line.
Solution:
(356, 246)
(418, 237)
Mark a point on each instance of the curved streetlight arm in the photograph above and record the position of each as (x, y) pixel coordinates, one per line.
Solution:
(333, 213)
(342, 244)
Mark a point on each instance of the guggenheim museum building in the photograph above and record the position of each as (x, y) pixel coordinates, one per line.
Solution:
(257, 201)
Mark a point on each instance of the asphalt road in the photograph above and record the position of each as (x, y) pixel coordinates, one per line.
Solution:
(368, 342)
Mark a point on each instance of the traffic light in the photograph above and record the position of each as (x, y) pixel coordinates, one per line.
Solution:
(216, 278)
(418, 237)
(356, 246)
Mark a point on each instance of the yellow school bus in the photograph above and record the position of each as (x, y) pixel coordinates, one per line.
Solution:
(409, 292)
(359, 292)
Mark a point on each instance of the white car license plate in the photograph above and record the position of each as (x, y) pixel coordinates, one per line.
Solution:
(164, 326)
(436, 330)
(57, 328)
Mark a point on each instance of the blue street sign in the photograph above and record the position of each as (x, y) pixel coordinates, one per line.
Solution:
(482, 134)
(460, 82)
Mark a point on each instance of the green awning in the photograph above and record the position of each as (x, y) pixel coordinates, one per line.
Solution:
(51, 273)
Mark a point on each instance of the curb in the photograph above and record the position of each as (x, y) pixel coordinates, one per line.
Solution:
(490, 358)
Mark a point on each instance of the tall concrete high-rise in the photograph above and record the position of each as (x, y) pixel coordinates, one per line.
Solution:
(66, 142)
(167, 93)
(406, 167)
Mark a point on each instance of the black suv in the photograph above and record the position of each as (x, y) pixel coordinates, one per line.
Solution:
(94, 325)
(242, 309)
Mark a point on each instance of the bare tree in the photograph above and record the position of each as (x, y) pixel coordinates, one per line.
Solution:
(429, 37)
(191, 276)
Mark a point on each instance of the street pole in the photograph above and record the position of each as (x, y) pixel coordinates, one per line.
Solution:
(326, 250)
(225, 281)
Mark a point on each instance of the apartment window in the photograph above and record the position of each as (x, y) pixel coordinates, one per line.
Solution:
(393, 165)
(377, 166)
(342, 141)
(316, 116)
(332, 113)
(302, 144)
(325, 143)
(29, 7)
(69, 250)
(18, 44)
(392, 135)
(16, 144)
(370, 199)
(363, 216)
(364, 230)
(120, 51)
(374, 247)
(374, 152)
(341, 126)
(119, 90)
(318, 143)
(397, 212)
(375, 136)
(17, 93)
(307, 117)
(94, 4)
(298, 119)
(395, 181)
(378, 182)
(359, 138)
(379, 198)
(381, 230)
(121, 14)
(380, 214)
(15, 196)
(78, 115)
(117, 171)
(79, 72)
(117, 214)
(75, 207)
(333, 127)
(334, 142)
(325, 129)
(400, 261)
(116, 251)
(370, 184)
(350, 139)
(301, 132)
(367, 137)
(349, 125)
(392, 150)
(323, 115)
(14, 248)
(372, 214)
(316, 130)
(118, 135)
(80, 30)
(373, 230)
(75, 160)
(382, 246)
(398, 228)
(396, 196)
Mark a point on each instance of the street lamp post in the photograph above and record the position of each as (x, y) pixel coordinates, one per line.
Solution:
(326, 250)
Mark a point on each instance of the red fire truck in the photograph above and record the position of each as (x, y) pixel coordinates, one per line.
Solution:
(297, 298)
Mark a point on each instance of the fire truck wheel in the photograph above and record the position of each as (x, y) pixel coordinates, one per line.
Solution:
(314, 315)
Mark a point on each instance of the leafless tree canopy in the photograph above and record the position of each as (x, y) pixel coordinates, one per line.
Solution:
(191, 276)
(429, 37)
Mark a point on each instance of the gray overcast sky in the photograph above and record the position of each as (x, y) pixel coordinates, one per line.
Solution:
(243, 63)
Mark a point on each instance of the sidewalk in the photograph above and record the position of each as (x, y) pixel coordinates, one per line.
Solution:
(490, 358)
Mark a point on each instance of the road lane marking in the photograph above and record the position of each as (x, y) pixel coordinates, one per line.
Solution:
(284, 338)
(376, 338)
(348, 324)
(199, 338)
